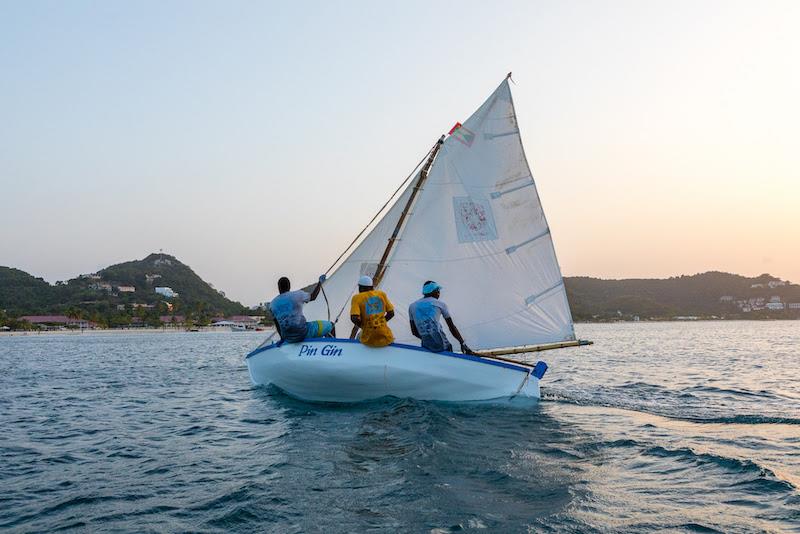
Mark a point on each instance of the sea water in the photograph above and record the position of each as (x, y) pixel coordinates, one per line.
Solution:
(688, 427)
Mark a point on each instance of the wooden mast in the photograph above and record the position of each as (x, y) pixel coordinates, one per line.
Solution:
(423, 175)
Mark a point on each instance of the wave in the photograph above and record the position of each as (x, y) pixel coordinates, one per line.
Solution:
(638, 406)
(764, 477)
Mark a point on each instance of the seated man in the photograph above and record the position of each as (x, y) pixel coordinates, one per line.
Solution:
(370, 310)
(287, 310)
(423, 314)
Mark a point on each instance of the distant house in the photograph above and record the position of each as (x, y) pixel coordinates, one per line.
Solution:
(177, 320)
(793, 305)
(774, 305)
(776, 283)
(244, 320)
(166, 291)
(726, 298)
(775, 299)
(100, 286)
(57, 321)
(126, 289)
(753, 286)
(151, 277)
(140, 305)
(92, 276)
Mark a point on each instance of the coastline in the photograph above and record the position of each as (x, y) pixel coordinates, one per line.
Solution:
(116, 331)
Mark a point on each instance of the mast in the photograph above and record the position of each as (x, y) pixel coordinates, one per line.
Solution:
(423, 175)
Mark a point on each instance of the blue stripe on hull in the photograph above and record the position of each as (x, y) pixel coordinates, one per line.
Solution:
(478, 359)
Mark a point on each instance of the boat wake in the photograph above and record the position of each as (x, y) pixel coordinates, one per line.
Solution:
(674, 408)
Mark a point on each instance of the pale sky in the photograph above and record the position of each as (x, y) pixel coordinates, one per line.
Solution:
(255, 139)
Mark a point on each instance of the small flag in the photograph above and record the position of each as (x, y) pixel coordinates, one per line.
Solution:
(463, 135)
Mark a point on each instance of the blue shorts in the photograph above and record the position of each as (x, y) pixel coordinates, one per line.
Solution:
(318, 328)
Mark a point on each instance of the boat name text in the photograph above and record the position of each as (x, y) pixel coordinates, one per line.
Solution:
(325, 350)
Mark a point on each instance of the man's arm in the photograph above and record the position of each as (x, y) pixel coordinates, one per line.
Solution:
(389, 307)
(356, 319)
(315, 291)
(277, 326)
(456, 334)
(414, 329)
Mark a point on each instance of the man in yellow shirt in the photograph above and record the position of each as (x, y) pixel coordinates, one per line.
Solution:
(370, 310)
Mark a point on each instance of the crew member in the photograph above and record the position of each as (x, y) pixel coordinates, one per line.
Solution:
(287, 310)
(370, 310)
(423, 314)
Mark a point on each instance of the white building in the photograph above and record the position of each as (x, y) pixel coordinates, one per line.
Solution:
(774, 305)
(794, 305)
(126, 289)
(166, 291)
(100, 286)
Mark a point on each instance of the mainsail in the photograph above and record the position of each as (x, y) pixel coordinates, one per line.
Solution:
(477, 228)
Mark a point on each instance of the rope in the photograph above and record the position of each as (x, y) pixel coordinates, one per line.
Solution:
(327, 304)
(379, 211)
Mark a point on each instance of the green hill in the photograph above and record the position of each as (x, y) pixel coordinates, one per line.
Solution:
(20, 292)
(99, 296)
(707, 294)
(163, 270)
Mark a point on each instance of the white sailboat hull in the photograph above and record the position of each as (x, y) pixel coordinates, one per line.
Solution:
(342, 370)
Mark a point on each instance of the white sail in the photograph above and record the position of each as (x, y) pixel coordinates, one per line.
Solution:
(342, 284)
(477, 228)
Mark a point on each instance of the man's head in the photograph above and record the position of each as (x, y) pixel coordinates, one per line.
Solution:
(431, 289)
(365, 284)
(283, 284)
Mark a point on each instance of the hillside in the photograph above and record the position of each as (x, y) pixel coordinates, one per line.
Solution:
(707, 294)
(105, 297)
(21, 292)
(163, 270)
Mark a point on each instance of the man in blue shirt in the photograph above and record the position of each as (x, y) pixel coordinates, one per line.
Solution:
(424, 314)
(287, 310)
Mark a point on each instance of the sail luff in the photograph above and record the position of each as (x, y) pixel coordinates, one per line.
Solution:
(423, 175)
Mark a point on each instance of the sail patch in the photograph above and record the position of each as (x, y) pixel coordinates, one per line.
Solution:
(474, 219)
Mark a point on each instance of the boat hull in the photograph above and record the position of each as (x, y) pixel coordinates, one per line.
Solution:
(343, 370)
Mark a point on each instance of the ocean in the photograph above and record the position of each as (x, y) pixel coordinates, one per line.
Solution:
(682, 427)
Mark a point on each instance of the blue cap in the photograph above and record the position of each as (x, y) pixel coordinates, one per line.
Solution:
(430, 287)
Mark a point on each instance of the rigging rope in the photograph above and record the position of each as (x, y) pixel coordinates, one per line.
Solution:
(356, 238)
(379, 211)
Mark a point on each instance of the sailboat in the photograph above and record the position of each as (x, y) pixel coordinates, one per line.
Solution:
(469, 217)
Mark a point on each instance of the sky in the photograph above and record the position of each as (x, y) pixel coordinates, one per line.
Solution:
(255, 139)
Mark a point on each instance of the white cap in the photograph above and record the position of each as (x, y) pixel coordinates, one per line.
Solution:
(365, 281)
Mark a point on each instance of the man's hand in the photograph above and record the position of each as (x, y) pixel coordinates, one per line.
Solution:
(465, 349)
(322, 278)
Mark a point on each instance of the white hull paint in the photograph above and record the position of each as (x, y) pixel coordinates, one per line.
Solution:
(342, 370)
